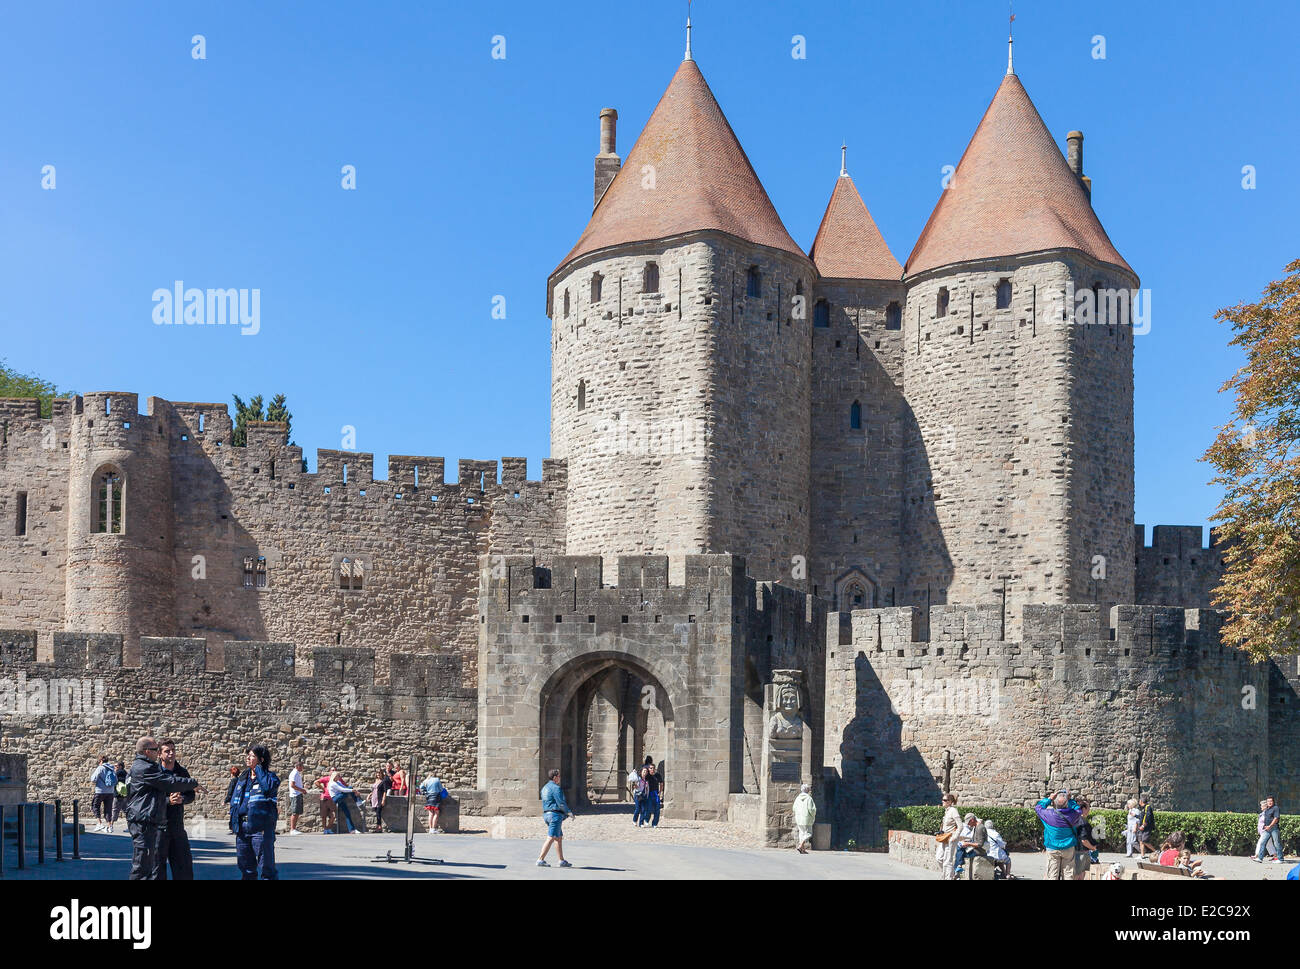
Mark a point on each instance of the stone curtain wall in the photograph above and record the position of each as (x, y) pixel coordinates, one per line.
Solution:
(1152, 703)
(1178, 566)
(196, 507)
(336, 717)
(857, 474)
(34, 459)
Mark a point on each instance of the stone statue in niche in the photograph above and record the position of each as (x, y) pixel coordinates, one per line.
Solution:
(786, 723)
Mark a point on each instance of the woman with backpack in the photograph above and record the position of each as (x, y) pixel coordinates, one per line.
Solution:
(434, 792)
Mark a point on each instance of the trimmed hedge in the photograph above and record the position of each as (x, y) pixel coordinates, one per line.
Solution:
(1212, 833)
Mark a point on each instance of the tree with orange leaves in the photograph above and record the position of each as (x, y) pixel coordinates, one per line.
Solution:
(1257, 456)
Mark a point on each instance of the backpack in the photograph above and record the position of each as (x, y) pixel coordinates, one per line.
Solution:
(434, 792)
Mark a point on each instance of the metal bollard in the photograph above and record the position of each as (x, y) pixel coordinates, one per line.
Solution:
(40, 832)
(58, 829)
(76, 829)
(22, 837)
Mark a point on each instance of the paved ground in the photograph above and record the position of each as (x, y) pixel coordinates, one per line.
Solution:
(483, 856)
(1033, 864)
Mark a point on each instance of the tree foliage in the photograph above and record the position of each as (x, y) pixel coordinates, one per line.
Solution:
(1257, 457)
(277, 410)
(15, 384)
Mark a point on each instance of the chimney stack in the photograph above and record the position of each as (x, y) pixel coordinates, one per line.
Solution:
(1074, 155)
(607, 162)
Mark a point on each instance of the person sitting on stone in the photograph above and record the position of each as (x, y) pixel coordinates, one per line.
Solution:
(971, 841)
(997, 849)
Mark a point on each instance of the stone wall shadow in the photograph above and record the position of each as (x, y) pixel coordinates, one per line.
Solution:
(927, 564)
(877, 770)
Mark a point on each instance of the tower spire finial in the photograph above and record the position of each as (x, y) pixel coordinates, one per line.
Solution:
(1011, 38)
(844, 159)
(688, 31)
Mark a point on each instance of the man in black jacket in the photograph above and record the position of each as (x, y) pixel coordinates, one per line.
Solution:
(175, 849)
(146, 807)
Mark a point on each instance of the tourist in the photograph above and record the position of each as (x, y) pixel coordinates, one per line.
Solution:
(146, 807)
(946, 851)
(971, 841)
(633, 781)
(653, 798)
(638, 797)
(175, 850)
(104, 780)
(328, 815)
(1263, 846)
(1131, 827)
(378, 795)
(343, 797)
(234, 776)
(554, 810)
(805, 815)
(253, 815)
(120, 791)
(1146, 826)
(400, 784)
(1169, 850)
(434, 792)
(1085, 852)
(1272, 833)
(296, 795)
(997, 850)
(1060, 816)
(1189, 865)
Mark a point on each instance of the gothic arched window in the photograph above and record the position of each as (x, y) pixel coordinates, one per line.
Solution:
(596, 280)
(855, 416)
(650, 278)
(822, 314)
(753, 282)
(108, 502)
(582, 395)
(1004, 294)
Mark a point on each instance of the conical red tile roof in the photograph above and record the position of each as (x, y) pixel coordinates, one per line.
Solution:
(848, 244)
(703, 179)
(1013, 193)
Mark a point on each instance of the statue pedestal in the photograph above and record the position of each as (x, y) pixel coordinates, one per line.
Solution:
(787, 754)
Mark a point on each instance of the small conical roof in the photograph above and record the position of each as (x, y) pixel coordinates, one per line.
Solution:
(848, 243)
(1013, 193)
(702, 179)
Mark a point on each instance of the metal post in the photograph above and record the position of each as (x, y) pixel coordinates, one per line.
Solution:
(76, 829)
(2, 841)
(22, 837)
(40, 832)
(58, 829)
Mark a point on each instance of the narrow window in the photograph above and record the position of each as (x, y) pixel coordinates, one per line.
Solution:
(108, 405)
(1100, 315)
(582, 395)
(1004, 294)
(798, 287)
(201, 416)
(345, 574)
(108, 503)
(566, 304)
(893, 316)
(345, 472)
(822, 314)
(941, 302)
(855, 416)
(596, 280)
(250, 571)
(20, 526)
(754, 282)
(650, 278)
(261, 572)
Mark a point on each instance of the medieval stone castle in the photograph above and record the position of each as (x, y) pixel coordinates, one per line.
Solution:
(903, 493)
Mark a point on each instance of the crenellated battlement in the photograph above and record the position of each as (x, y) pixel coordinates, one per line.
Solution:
(184, 662)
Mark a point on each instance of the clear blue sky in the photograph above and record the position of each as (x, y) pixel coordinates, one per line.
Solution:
(474, 178)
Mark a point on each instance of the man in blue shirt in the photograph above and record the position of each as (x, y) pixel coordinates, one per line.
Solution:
(1060, 816)
(554, 809)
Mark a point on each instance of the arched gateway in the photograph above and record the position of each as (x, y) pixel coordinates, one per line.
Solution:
(575, 675)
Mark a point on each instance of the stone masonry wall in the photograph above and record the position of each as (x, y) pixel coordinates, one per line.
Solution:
(64, 714)
(1152, 704)
(857, 474)
(1177, 566)
(34, 461)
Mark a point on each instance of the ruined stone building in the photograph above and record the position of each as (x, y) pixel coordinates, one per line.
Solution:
(867, 481)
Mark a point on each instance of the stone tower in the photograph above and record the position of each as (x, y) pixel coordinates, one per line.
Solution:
(680, 377)
(120, 574)
(1019, 471)
(858, 414)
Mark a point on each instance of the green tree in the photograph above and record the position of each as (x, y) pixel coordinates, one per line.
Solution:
(1257, 456)
(15, 384)
(253, 411)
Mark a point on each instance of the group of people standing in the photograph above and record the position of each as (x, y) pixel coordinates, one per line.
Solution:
(645, 785)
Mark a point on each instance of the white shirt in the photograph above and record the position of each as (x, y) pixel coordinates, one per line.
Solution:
(295, 782)
(335, 788)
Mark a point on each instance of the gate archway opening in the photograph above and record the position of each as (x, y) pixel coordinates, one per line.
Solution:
(601, 715)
